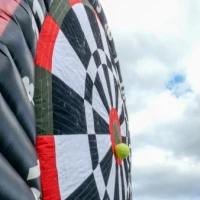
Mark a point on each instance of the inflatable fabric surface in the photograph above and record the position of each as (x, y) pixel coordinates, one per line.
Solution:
(61, 92)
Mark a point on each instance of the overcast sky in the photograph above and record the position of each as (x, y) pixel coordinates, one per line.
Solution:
(158, 43)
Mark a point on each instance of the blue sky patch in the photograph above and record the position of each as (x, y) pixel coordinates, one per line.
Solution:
(177, 79)
(178, 86)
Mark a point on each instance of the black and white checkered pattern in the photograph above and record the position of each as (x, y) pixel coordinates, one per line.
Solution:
(86, 111)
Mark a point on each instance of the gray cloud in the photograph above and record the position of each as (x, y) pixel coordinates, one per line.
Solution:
(165, 182)
(180, 136)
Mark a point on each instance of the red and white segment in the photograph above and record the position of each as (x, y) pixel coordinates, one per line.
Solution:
(65, 164)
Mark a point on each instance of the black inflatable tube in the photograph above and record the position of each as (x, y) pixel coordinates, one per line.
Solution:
(34, 7)
(16, 147)
(14, 93)
(14, 40)
(12, 187)
(24, 17)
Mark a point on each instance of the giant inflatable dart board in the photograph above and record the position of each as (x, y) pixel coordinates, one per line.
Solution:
(78, 98)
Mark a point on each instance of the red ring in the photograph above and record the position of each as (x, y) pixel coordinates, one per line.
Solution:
(114, 118)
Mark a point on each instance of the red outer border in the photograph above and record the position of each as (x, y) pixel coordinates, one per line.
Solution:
(73, 2)
(46, 43)
(45, 146)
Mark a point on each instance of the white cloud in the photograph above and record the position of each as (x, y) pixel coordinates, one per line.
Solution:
(193, 69)
(159, 109)
(153, 156)
(152, 73)
(140, 121)
(153, 16)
